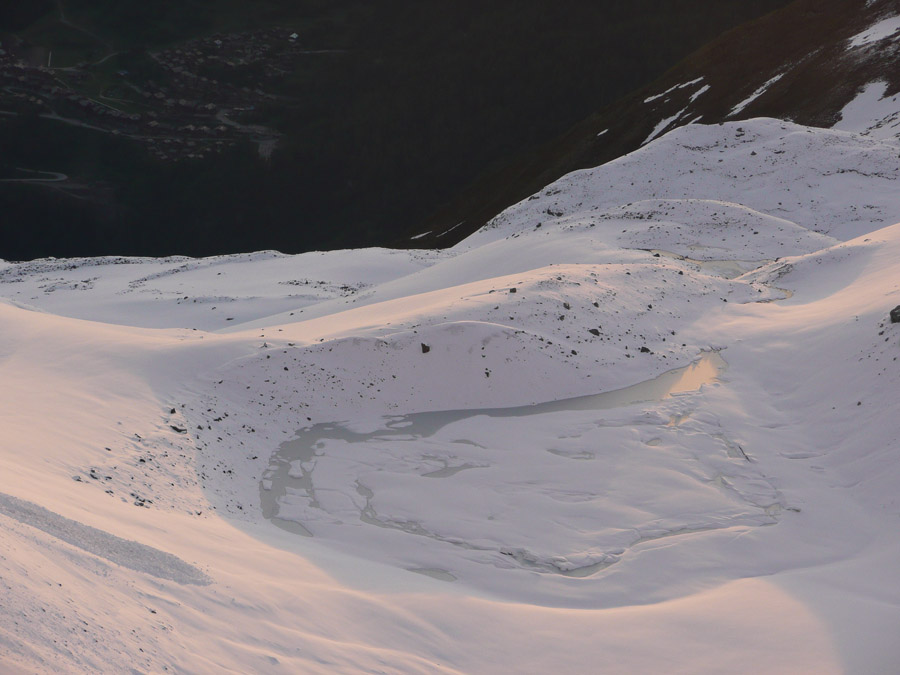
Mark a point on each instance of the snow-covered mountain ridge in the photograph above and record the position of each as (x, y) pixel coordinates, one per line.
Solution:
(417, 414)
(821, 63)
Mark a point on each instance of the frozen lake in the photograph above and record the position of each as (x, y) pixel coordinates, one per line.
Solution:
(562, 488)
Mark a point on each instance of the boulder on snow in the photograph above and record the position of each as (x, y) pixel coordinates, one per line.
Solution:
(895, 314)
(425, 348)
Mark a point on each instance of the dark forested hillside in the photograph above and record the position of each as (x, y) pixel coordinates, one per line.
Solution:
(206, 126)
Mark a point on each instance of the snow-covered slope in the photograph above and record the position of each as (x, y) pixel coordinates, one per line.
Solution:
(822, 63)
(644, 420)
(206, 293)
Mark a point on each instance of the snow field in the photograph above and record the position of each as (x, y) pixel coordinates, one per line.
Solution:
(396, 408)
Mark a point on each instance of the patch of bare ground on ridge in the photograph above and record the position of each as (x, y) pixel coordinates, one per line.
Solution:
(805, 43)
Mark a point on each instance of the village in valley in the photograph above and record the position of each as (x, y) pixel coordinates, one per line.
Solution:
(186, 102)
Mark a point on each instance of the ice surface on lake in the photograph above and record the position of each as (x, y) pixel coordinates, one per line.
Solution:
(565, 487)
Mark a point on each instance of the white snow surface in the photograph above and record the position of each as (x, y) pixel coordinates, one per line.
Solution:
(882, 30)
(644, 421)
(668, 91)
(663, 124)
(872, 113)
(755, 95)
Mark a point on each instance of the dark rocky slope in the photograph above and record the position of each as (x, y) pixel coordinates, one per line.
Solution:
(806, 43)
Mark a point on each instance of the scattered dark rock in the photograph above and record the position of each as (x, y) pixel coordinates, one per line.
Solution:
(594, 331)
(895, 314)
(646, 350)
(512, 290)
(178, 429)
(426, 348)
